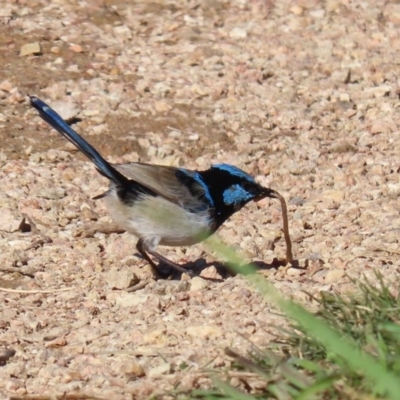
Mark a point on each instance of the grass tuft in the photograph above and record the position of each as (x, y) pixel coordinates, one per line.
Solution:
(348, 349)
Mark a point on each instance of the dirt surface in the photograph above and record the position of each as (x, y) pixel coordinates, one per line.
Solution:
(303, 95)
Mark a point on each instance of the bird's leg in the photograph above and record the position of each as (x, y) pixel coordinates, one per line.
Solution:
(145, 254)
(170, 263)
(142, 252)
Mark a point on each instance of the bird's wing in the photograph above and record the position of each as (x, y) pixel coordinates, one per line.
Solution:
(179, 185)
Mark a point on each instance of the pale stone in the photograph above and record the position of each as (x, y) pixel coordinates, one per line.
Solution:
(30, 48)
(204, 331)
(131, 299)
(238, 33)
(334, 275)
(121, 279)
(6, 86)
(76, 48)
(67, 109)
(198, 283)
(160, 370)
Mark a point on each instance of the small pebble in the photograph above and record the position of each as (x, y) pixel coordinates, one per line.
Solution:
(30, 49)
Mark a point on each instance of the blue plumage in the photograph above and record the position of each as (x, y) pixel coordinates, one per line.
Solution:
(55, 120)
(193, 179)
(234, 171)
(165, 205)
(235, 194)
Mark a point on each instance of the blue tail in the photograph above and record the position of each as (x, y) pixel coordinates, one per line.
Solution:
(55, 120)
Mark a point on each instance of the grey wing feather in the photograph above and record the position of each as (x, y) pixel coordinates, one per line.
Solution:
(163, 181)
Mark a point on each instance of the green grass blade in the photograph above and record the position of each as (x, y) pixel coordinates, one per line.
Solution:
(386, 383)
(230, 392)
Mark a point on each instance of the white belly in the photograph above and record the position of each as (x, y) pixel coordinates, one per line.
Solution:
(159, 221)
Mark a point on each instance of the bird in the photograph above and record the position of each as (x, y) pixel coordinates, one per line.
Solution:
(164, 205)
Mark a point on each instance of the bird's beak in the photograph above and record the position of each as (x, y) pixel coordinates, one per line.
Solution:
(266, 192)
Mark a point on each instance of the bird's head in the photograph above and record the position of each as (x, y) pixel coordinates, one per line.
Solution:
(231, 189)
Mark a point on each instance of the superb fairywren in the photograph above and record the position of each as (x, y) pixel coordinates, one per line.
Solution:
(164, 205)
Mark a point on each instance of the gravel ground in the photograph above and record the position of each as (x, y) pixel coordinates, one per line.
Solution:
(303, 95)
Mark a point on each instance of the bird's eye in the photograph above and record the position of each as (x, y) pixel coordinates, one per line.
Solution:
(250, 187)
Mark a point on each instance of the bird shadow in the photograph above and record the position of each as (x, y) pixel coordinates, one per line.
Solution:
(223, 270)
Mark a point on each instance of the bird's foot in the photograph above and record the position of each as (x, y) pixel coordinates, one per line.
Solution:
(163, 261)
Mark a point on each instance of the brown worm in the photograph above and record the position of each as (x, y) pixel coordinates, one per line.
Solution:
(289, 254)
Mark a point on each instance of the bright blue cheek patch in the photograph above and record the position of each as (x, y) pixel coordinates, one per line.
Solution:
(236, 194)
